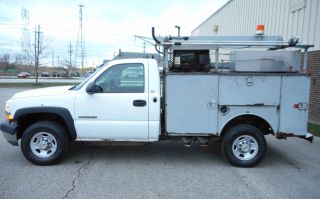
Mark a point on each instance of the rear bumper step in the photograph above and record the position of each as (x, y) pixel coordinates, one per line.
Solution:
(308, 136)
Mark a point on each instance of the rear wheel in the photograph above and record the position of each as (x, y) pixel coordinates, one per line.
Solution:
(244, 145)
(44, 143)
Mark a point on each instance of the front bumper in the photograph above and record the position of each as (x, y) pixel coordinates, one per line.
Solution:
(9, 131)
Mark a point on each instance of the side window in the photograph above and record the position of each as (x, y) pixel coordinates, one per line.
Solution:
(122, 78)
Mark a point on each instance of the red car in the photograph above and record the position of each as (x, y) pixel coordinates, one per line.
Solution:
(23, 75)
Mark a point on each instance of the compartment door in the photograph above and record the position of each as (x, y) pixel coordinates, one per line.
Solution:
(294, 104)
(191, 103)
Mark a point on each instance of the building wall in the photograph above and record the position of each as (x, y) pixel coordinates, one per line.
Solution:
(314, 70)
(280, 17)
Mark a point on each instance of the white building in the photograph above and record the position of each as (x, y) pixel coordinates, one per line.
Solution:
(286, 18)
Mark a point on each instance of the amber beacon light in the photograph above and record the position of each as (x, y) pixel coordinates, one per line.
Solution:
(260, 30)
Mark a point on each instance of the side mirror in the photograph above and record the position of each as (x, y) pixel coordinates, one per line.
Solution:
(91, 88)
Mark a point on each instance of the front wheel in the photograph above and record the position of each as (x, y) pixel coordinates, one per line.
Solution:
(244, 145)
(44, 143)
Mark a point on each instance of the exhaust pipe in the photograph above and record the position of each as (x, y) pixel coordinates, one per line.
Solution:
(154, 37)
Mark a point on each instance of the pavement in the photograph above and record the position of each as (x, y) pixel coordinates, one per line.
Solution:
(291, 169)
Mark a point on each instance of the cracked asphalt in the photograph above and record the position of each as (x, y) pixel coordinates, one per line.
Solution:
(291, 169)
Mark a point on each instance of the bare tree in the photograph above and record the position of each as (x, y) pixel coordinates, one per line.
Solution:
(37, 51)
(5, 58)
(5, 61)
(19, 59)
(66, 67)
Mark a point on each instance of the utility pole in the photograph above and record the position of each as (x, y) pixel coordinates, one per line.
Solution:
(80, 47)
(25, 39)
(70, 63)
(52, 64)
(36, 50)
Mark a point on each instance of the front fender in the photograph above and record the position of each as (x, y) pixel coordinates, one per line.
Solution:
(60, 111)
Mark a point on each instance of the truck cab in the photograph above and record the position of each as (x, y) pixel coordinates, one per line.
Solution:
(121, 102)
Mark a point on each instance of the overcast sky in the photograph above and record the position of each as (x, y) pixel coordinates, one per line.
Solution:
(108, 25)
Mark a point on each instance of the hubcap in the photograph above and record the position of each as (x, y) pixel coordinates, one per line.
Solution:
(43, 144)
(245, 147)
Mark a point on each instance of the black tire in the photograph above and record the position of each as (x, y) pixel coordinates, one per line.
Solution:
(44, 131)
(244, 145)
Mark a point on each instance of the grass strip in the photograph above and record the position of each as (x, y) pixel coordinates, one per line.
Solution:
(314, 129)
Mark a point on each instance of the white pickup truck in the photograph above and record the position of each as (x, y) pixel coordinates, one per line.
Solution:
(125, 100)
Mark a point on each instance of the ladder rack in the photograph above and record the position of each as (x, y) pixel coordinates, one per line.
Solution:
(217, 42)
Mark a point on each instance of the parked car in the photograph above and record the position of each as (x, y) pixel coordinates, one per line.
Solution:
(45, 74)
(75, 74)
(63, 74)
(88, 73)
(23, 75)
(55, 74)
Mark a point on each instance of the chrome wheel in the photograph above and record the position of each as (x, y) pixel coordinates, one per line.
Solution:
(245, 147)
(43, 144)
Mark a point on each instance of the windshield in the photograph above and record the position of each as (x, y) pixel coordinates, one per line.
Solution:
(79, 86)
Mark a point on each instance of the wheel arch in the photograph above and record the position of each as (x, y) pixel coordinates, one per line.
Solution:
(27, 116)
(256, 120)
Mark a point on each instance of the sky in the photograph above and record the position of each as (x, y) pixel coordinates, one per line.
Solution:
(108, 25)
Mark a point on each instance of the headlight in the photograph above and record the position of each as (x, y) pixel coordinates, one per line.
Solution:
(8, 107)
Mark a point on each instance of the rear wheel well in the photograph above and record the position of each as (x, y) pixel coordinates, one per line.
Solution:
(254, 120)
(26, 120)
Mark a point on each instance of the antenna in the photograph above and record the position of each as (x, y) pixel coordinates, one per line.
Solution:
(80, 47)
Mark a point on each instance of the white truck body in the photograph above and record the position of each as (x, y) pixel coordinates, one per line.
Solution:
(193, 102)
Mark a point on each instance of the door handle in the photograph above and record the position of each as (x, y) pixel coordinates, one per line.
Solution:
(139, 103)
(211, 104)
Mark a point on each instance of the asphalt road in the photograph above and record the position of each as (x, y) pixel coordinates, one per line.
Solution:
(291, 169)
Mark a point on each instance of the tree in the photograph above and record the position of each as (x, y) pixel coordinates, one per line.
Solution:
(19, 59)
(5, 60)
(37, 51)
(66, 67)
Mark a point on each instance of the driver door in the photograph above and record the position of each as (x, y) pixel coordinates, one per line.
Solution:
(118, 110)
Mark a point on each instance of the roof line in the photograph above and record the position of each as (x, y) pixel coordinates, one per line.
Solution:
(224, 5)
